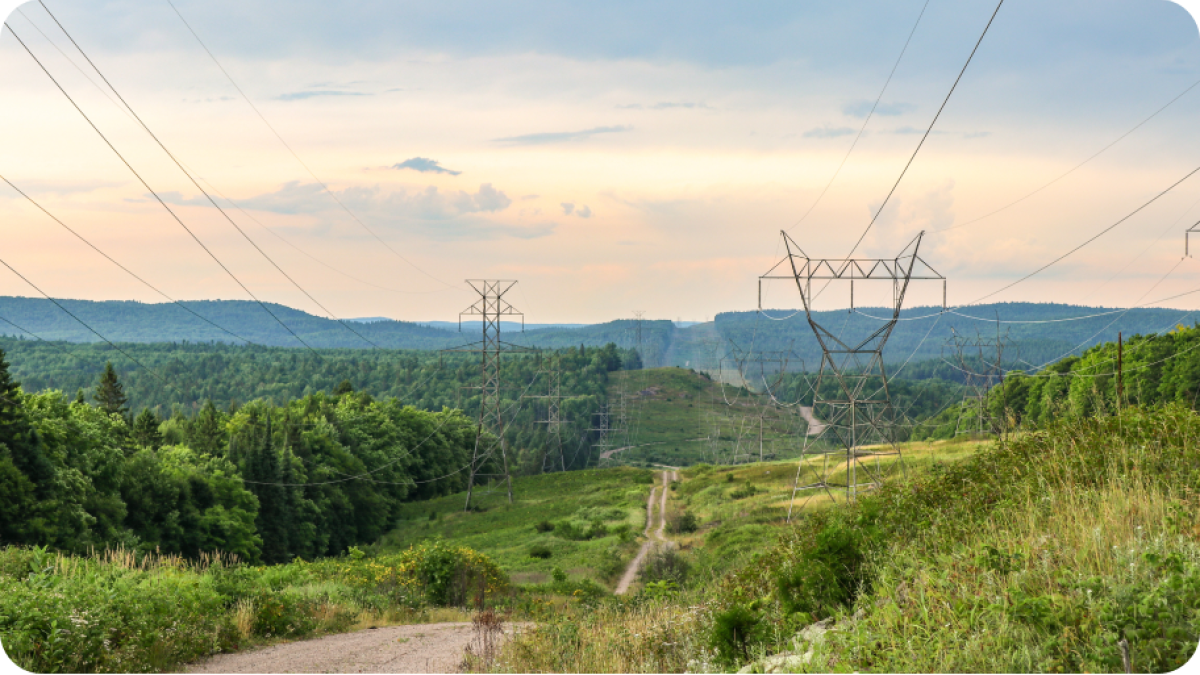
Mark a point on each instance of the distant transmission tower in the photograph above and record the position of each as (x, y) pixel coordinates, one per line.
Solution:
(980, 373)
(851, 397)
(553, 420)
(491, 308)
(604, 444)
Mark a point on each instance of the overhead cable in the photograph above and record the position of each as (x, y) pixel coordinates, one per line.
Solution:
(302, 163)
(1099, 234)
(197, 184)
(869, 116)
(1077, 166)
(156, 195)
(128, 271)
(85, 325)
(928, 131)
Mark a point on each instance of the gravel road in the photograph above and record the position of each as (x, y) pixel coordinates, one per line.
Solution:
(425, 648)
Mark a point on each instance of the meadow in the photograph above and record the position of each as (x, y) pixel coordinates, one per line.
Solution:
(1069, 549)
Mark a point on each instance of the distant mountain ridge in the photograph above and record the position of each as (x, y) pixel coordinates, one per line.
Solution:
(1040, 333)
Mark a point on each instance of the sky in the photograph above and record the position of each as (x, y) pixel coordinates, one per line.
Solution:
(611, 157)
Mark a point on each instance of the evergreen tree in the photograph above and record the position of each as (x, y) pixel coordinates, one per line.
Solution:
(206, 433)
(110, 393)
(145, 430)
(344, 387)
(26, 474)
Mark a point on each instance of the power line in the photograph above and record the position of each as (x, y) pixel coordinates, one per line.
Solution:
(123, 268)
(296, 156)
(927, 131)
(1077, 166)
(1090, 240)
(155, 194)
(85, 324)
(869, 116)
(194, 181)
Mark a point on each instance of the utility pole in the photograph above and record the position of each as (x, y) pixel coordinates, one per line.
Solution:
(491, 308)
(858, 412)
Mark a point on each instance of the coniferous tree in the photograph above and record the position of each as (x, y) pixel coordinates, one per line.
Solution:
(26, 474)
(110, 393)
(145, 430)
(206, 433)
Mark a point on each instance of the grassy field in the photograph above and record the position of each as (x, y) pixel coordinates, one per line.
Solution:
(607, 506)
(679, 417)
(1073, 548)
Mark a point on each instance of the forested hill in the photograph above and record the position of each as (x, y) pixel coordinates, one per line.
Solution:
(1034, 343)
(128, 321)
(700, 346)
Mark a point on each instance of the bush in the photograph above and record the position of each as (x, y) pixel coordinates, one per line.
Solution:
(734, 632)
(747, 490)
(540, 551)
(665, 564)
(828, 569)
(544, 526)
(684, 522)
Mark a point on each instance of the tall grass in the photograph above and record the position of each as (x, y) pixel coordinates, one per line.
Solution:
(120, 611)
(1061, 550)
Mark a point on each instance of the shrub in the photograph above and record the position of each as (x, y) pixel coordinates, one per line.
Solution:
(734, 631)
(665, 564)
(747, 490)
(544, 526)
(540, 551)
(683, 522)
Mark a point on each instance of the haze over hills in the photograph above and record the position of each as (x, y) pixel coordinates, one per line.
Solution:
(920, 335)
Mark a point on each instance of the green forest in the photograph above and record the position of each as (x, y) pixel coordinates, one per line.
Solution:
(270, 479)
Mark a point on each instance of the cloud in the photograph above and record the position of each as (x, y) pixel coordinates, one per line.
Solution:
(424, 165)
(861, 109)
(569, 208)
(828, 132)
(913, 131)
(665, 105)
(428, 203)
(977, 134)
(560, 136)
(301, 95)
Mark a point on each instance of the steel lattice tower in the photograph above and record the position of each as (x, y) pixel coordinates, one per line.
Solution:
(553, 419)
(974, 417)
(852, 398)
(491, 308)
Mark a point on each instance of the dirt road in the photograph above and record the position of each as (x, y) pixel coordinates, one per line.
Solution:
(426, 648)
(658, 537)
(815, 426)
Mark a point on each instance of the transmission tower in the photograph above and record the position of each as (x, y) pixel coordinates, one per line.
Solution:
(851, 397)
(981, 371)
(780, 360)
(553, 419)
(602, 428)
(491, 308)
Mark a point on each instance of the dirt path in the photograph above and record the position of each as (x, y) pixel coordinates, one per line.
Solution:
(815, 426)
(658, 536)
(424, 648)
(607, 454)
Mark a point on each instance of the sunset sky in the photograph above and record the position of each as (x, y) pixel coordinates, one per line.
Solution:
(612, 156)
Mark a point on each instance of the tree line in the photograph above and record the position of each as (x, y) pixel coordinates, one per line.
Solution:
(269, 480)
